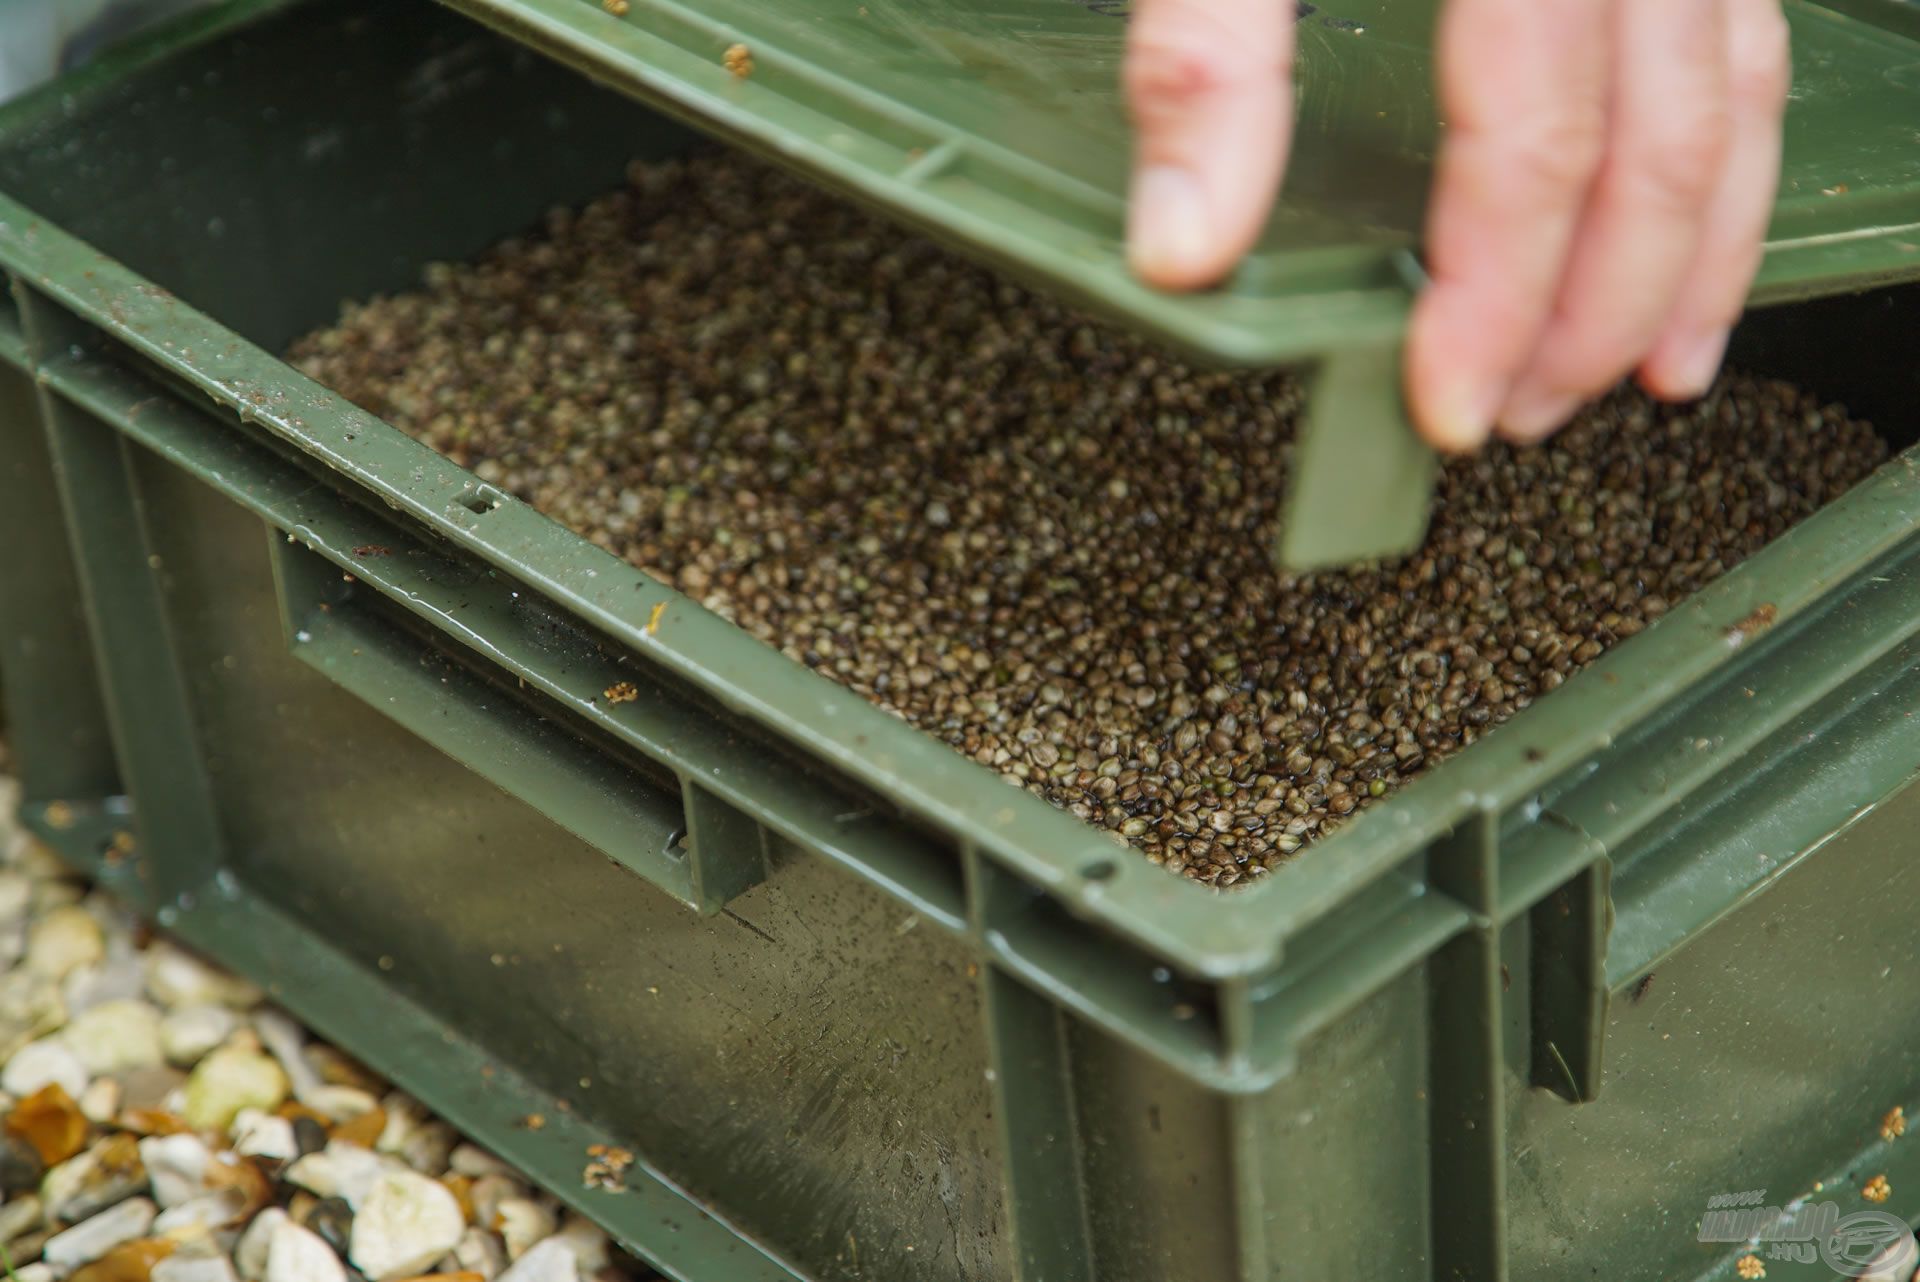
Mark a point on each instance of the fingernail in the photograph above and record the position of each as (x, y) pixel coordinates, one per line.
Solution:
(1462, 415)
(1698, 363)
(1532, 416)
(1168, 232)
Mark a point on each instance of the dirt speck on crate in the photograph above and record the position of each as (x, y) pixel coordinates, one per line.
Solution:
(1752, 625)
(606, 1168)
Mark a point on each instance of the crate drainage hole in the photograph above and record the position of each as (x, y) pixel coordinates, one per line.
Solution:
(1100, 870)
(481, 502)
(677, 843)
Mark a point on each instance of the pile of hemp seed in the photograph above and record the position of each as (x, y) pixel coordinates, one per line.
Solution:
(1039, 540)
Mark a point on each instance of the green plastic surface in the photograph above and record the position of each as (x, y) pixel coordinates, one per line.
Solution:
(999, 127)
(863, 1011)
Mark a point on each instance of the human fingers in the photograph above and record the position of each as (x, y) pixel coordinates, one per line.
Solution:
(1209, 86)
(1523, 90)
(1668, 135)
(1759, 68)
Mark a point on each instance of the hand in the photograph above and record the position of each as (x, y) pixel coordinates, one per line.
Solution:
(1601, 200)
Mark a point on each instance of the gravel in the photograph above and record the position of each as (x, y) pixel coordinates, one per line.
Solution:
(1037, 540)
(184, 1171)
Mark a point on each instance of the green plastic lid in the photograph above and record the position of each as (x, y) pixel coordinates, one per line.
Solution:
(998, 126)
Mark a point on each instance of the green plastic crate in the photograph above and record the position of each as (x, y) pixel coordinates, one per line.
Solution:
(863, 1011)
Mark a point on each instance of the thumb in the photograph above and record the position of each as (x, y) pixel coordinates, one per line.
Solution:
(1209, 86)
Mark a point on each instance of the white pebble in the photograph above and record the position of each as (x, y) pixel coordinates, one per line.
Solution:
(100, 1101)
(480, 1252)
(589, 1243)
(295, 1254)
(284, 1039)
(177, 1165)
(65, 939)
(199, 1216)
(116, 919)
(405, 1223)
(258, 1134)
(13, 943)
(550, 1261)
(16, 893)
(29, 1006)
(410, 1134)
(473, 1161)
(46, 1062)
(116, 1037)
(20, 1215)
(230, 1079)
(339, 1170)
(250, 1253)
(341, 1103)
(118, 978)
(88, 1182)
(35, 1272)
(184, 1266)
(52, 893)
(488, 1192)
(178, 978)
(14, 842)
(90, 1239)
(405, 1114)
(37, 860)
(148, 1088)
(190, 1033)
(428, 1147)
(522, 1222)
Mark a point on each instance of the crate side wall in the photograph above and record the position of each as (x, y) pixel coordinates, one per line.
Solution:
(811, 1060)
(1837, 348)
(340, 99)
(1339, 1148)
(61, 746)
(1159, 1177)
(1762, 1055)
(1323, 1174)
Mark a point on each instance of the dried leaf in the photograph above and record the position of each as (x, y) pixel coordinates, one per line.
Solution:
(242, 1174)
(128, 1262)
(364, 1130)
(51, 1122)
(462, 1189)
(152, 1121)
